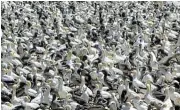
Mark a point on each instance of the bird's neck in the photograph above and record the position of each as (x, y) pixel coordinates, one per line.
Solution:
(82, 84)
(47, 92)
(14, 93)
(127, 86)
(60, 86)
(167, 96)
(27, 87)
(135, 77)
(9, 72)
(148, 92)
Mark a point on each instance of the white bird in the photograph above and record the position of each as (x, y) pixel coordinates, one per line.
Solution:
(29, 91)
(36, 63)
(62, 92)
(174, 96)
(176, 73)
(128, 106)
(147, 77)
(116, 70)
(5, 89)
(94, 75)
(121, 87)
(160, 80)
(114, 99)
(139, 104)
(168, 76)
(43, 97)
(130, 93)
(167, 104)
(112, 105)
(7, 106)
(16, 100)
(102, 90)
(7, 78)
(22, 78)
(119, 58)
(73, 105)
(84, 87)
(153, 62)
(149, 98)
(85, 95)
(11, 73)
(14, 54)
(16, 62)
(137, 83)
(29, 105)
(92, 50)
(40, 49)
(79, 19)
(67, 107)
(105, 58)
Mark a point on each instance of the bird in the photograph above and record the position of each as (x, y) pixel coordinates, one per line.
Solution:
(128, 106)
(90, 55)
(167, 102)
(44, 96)
(112, 105)
(121, 87)
(7, 106)
(130, 93)
(30, 92)
(137, 83)
(16, 100)
(103, 93)
(139, 104)
(61, 91)
(84, 87)
(149, 98)
(174, 96)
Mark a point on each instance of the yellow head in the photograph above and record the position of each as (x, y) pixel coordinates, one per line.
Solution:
(68, 96)
(28, 83)
(8, 104)
(15, 86)
(49, 81)
(67, 107)
(97, 86)
(26, 99)
(2, 85)
(148, 85)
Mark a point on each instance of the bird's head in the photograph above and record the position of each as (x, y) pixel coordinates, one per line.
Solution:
(120, 81)
(8, 104)
(133, 73)
(171, 89)
(137, 97)
(12, 54)
(149, 81)
(164, 105)
(67, 107)
(148, 86)
(49, 81)
(68, 71)
(128, 104)
(15, 86)
(28, 83)
(27, 99)
(2, 85)
(58, 77)
(69, 96)
(97, 86)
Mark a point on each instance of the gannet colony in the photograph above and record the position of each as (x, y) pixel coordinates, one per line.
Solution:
(90, 55)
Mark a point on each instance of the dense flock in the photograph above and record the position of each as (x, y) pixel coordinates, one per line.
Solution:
(91, 55)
